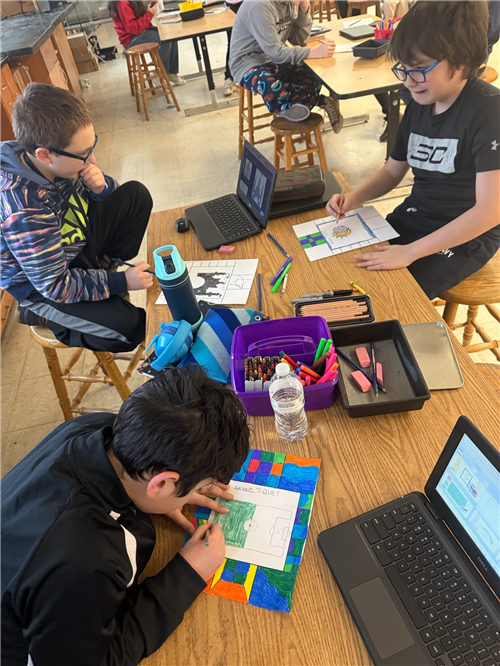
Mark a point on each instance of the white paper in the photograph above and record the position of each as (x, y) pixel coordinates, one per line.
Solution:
(266, 535)
(223, 282)
(352, 22)
(345, 48)
(359, 228)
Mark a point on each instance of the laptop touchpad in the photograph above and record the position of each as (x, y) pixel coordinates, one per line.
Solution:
(381, 618)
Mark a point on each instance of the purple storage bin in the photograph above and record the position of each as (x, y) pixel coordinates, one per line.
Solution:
(299, 338)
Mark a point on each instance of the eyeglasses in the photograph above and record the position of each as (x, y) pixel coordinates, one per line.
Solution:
(416, 75)
(75, 157)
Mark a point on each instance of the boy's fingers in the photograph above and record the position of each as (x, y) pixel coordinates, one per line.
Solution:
(201, 532)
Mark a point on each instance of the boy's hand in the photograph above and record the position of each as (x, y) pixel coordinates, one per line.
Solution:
(198, 499)
(93, 178)
(205, 550)
(153, 8)
(337, 210)
(326, 50)
(387, 258)
(137, 278)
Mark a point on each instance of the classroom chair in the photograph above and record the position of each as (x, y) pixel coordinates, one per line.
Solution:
(144, 76)
(248, 118)
(323, 9)
(363, 6)
(288, 134)
(489, 74)
(106, 363)
(481, 288)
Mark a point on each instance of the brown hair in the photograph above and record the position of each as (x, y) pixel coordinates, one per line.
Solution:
(139, 8)
(451, 30)
(47, 116)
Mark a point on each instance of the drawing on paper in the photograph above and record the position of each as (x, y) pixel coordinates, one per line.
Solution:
(326, 237)
(209, 283)
(281, 488)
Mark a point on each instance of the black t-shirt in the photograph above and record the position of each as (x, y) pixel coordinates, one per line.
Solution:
(446, 152)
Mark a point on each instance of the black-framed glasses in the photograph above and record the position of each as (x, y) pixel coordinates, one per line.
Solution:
(416, 75)
(75, 157)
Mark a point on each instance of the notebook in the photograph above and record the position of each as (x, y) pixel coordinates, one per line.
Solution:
(237, 216)
(357, 32)
(404, 568)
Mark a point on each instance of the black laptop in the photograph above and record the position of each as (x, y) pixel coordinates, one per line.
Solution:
(357, 32)
(237, 216)
(415, 572)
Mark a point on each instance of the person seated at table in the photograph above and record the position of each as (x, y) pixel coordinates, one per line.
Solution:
(229, 84)
(63, 222)
(262, 62)
(76, 530)
(449, 136)
(132, 21)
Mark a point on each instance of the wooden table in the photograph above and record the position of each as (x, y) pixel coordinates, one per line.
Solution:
(365, 462)
(198, 30)
(348, 77)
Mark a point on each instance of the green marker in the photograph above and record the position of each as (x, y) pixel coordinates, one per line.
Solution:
(319, 350)
(280, 279)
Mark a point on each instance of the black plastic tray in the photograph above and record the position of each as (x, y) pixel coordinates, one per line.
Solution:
(403, 380)
(372, 48)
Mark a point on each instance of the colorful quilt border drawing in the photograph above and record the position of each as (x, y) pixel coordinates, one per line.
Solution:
(257, 585)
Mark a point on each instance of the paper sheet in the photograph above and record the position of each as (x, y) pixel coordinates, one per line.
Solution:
(326, 237)
(220, 282)
(346, 48)
(351, 22)
(259, 524)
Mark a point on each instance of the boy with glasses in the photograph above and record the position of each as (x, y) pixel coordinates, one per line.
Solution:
(449, 136)
(63, 222)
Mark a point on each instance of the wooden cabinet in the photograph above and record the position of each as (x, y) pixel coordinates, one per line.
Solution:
(9, 92)
(65, 55)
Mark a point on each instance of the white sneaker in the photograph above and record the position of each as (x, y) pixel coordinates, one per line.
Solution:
(177, 80)
(296, 113)
(229, 87)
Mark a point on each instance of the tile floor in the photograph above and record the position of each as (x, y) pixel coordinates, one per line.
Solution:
(182, 160)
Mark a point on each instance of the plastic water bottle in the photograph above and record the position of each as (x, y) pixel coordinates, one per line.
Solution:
(287, 398)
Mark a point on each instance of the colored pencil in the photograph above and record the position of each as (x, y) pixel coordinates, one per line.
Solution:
(127, 263)
(281, 278)
(357, 367)
(280, 272)
(374, 369)
(280, 246)
(260, 292)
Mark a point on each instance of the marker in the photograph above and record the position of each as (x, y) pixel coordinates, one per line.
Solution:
(288, 359)
(280, 272)
(260, 292)
(280, 246)
(282, 277)
(320, 349)
(361, 291)
(283, 288)
(127, 263)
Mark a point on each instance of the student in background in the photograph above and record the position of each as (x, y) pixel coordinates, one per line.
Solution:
(229, 84)
(262, 62)
(76, 529)
(449, 136)
(62, 222)
(132, 21)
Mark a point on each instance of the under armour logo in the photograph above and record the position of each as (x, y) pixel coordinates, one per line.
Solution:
(494, 145)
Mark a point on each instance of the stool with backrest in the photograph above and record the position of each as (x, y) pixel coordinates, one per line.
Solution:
(149, 80)
(106, 364)
(287, 134)
(363, 6)
(481, 288)
(489, 74)
(248, 119)
(323, 9)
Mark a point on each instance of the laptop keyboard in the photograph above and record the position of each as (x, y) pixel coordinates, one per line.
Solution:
(442, 605)
(229, 218)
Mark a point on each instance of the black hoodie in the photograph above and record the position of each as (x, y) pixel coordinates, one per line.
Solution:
(73, 547)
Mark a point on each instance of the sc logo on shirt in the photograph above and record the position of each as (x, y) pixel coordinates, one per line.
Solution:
(432, 154)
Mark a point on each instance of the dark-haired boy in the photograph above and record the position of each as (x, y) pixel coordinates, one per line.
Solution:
(62, 220)
(449, 136)
(76, 534)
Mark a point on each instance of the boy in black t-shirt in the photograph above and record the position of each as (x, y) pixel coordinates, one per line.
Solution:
(449, 136)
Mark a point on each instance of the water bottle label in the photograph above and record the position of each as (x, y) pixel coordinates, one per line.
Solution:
(290, 408)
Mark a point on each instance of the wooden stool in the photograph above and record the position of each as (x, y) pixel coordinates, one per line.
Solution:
(288, 133)
(142, 72)
(489, 74)
(247, 119)
(481, 288)
(363, 5)
(321, 9)
(106, 362)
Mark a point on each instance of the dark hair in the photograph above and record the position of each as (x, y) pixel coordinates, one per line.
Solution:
(182, 421)
(139, 8)
(47, 116)
(451, 30)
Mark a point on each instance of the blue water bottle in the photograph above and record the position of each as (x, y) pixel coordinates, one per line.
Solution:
(176, 285)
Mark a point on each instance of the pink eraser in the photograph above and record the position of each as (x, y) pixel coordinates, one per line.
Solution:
(226, 249)
(361, 381)
(380, 377)
(363, 358)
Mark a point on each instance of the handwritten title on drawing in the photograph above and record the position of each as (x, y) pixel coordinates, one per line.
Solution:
(257, 490)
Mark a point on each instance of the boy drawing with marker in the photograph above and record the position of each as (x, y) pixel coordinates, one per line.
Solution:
(449, 136)
(76, 530)
(62, 220)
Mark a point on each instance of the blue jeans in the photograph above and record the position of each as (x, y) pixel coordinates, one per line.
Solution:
(169, 51)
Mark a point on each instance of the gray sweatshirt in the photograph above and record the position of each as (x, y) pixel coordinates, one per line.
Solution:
(260, 31)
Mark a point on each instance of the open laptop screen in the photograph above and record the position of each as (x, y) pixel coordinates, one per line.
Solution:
(256, 183)
(468, 487)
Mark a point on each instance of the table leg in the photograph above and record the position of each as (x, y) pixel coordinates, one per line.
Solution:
(393, 119)
(197, 54)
